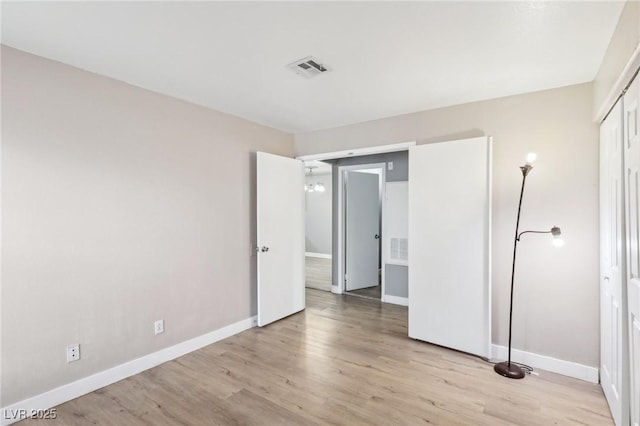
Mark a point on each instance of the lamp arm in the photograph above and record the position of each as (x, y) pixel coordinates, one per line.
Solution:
(532, 232)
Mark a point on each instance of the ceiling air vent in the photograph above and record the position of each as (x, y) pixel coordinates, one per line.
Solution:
(308, 67)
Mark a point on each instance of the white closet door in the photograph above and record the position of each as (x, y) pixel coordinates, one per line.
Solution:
(632, 201)
(280, 229)
(449, 244)
(613, 365)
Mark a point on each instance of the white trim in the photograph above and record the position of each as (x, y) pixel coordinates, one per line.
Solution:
(555, 365)
(396, 300)
(404, 146)
(104, 378)
(339, 280)
(319, 255)
(489, 259)
(336, 289)
(398, 262)
(621, 83)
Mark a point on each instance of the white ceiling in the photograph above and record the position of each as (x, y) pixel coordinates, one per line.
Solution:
(387, 58)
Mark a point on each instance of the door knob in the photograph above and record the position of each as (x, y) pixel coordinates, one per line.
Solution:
(264, 249)
(377, 237)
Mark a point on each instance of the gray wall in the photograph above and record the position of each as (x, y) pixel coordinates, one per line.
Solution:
(400, 160)
(120, 207)
(318, 215)
(396, 282)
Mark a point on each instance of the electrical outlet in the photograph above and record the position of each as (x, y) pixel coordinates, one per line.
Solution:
(158, 327)
(390, 165)
(73, 353)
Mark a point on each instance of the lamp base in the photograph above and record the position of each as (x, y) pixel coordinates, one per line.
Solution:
(510, 370)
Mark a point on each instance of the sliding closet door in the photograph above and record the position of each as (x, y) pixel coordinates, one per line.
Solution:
(613, 365)
(449, 244)
(632, 200)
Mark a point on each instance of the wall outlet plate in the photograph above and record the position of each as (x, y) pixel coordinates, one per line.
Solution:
(158, 327)
(73, 352)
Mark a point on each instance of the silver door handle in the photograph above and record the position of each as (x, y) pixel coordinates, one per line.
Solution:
(264, 249)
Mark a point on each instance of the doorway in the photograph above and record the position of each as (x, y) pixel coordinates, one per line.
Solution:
(362, 199)
(318, 225)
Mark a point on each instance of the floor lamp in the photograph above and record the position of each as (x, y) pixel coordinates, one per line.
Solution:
(508, 368)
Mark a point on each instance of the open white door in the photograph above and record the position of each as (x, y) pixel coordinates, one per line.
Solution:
(280, 229)
(449, 244)
(362, 227)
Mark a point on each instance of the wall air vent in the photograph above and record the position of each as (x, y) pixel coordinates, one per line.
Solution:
(308, 67)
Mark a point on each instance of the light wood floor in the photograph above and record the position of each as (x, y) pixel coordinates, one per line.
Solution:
(317, 367)
(318, 273)
(318, 276)
(370, 292)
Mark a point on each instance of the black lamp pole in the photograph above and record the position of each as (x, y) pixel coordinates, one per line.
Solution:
(508, 369)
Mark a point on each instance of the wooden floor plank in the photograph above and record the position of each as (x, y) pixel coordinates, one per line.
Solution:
(318, 273)
(343, 361)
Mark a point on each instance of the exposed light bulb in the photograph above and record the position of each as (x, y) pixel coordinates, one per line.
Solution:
(531, 157)
(557, 239)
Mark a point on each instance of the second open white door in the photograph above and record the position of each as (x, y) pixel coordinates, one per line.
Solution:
(449, 244)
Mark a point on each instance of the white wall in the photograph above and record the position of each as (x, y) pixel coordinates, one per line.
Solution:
(119, 207)
(318, 215)
(556, 309)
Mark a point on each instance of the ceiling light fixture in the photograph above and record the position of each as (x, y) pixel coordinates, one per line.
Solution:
(311, 187)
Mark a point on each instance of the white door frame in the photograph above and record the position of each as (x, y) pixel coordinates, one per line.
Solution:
(369, 150)
(338, 286)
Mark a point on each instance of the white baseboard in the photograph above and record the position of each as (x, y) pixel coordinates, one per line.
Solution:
(320, 255)
(336, 289)
(566, 368)
(99, 380)
(396, 300)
